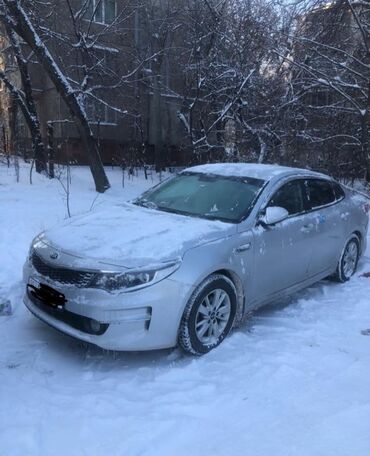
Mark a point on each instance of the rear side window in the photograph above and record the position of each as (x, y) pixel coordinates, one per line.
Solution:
(319, 193)
(338, 190)
(290, 197)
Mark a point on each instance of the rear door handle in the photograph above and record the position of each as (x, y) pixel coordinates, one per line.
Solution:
(307, 228)
(243, 248)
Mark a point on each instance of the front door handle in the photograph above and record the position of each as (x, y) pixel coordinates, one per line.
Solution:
(243, 248)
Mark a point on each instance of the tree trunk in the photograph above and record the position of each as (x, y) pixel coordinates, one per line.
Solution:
(364, 136)
(51, 150)
(26, 31)
(29, 108)
(157, 125)
(32, 124)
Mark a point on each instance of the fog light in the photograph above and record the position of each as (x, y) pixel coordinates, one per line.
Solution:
(95, 327)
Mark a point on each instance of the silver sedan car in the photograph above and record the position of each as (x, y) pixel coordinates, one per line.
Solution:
(189, 259)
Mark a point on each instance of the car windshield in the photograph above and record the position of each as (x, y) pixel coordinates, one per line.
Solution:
(224, 198)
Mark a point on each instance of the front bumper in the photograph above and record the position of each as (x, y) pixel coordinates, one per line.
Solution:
(145, 319)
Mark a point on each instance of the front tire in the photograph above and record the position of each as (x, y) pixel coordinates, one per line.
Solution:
(208, 316)
(347, 264)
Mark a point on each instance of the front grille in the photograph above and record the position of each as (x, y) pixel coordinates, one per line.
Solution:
(66, 276)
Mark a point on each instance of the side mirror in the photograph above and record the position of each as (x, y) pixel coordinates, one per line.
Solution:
(274, 214)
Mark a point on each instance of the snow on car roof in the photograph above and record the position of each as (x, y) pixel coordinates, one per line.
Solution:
(256, 170)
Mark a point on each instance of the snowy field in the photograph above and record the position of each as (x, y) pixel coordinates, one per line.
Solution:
(294, 381)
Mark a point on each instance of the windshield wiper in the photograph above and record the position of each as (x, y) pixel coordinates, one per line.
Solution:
(171, 210)
(147, 204)
(191, 214)
(150, 205)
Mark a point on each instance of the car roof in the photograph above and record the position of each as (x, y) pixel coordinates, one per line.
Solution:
(255, 170)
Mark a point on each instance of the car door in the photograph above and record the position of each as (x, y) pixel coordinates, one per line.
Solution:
(327, 224)
(282, 252)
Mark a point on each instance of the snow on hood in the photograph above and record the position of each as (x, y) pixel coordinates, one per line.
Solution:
(133, 236)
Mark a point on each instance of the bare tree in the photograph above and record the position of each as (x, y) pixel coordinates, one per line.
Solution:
(23, 95)
(22, 25)
(328, 94)
(232, 79)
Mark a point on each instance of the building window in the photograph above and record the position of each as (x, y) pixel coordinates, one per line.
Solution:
(319, 98)
(99, 113)
(102, 11)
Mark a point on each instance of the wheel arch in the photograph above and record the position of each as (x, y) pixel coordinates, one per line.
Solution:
(360, 238)
(240, 295)
(359, 235)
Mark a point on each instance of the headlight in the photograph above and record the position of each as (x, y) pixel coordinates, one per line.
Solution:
(112, 281)
(32, 246)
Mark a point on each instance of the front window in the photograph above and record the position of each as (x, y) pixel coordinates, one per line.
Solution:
(289, 197)
(102, 11)
(214, 197)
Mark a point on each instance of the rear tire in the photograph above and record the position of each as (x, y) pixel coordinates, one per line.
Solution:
(348, 261)
(208, 316)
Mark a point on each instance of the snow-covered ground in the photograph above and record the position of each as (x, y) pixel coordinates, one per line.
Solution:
(294, 381)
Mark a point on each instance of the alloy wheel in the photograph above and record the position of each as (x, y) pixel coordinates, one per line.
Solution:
(350, 257)
(212, 316)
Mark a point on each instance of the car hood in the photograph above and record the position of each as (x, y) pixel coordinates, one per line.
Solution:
(131, 236)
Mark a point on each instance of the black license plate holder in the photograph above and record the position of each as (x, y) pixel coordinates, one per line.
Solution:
(46, 294)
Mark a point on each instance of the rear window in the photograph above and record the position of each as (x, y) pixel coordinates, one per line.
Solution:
(319, 193)
(338, 190)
